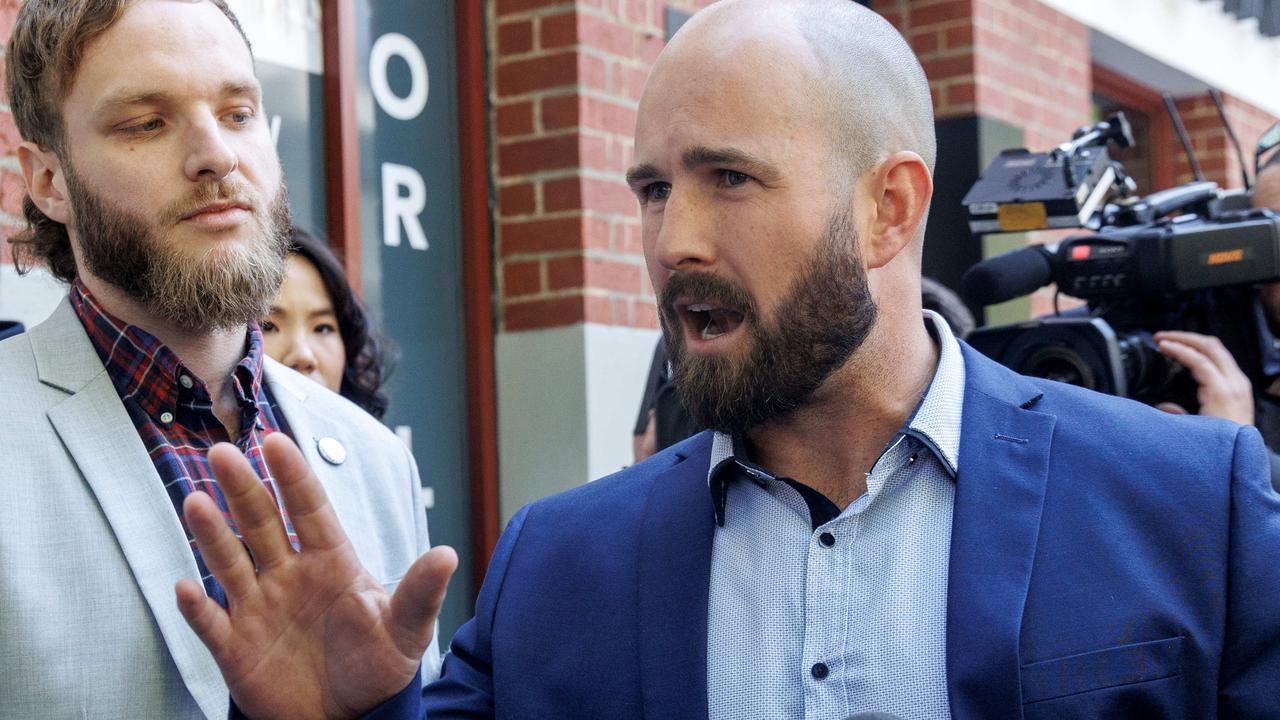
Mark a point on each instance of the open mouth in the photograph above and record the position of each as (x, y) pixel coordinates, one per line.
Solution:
(708, 320)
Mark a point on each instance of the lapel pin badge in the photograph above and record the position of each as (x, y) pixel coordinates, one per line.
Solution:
(331, 450)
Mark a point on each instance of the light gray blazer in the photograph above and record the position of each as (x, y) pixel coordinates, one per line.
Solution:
(90, 544)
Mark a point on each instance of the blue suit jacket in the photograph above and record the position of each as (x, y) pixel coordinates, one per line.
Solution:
(1107, 560)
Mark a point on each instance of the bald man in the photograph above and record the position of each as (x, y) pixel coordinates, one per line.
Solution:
(881, 521)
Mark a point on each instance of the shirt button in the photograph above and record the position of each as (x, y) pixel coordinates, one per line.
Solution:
(185, 381)
(820, 671)
(166, 417)
(827, 539)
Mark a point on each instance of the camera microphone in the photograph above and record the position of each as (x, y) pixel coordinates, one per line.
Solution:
(1008, 276)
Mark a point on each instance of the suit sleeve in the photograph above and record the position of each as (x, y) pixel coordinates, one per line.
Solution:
(1249, 678)
(465, 688)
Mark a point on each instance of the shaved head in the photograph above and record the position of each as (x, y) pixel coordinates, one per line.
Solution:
(851, 69)
(783, 165)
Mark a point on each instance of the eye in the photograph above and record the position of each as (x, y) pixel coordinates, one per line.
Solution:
(733, 178)
(268, 326)
(147, 126)
(240, 116)
(655, 192)
(325, 329)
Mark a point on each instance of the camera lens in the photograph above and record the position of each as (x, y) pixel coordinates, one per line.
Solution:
(1150, 374)
(1061, 363)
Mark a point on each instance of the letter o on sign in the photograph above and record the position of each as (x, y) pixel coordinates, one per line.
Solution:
(411, 105)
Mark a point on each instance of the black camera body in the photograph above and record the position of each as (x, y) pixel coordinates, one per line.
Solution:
(1187, 258)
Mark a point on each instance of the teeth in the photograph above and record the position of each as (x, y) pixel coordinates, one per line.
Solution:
(701, 307)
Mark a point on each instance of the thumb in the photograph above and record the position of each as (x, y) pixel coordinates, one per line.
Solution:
(417, 601)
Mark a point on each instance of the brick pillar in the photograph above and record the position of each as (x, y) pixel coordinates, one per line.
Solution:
(577, 319)
(1022, 62)
(567, 77)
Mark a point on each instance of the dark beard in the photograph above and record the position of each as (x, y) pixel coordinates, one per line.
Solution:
(215, 292)
(826, 315)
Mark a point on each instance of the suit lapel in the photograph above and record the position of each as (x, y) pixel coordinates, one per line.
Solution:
(1004, 459)
(673, 587)
(291, 392)
(100, 438)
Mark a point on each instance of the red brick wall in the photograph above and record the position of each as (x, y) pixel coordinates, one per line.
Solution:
(566, 80)
(1017, 61)
(1213, 150)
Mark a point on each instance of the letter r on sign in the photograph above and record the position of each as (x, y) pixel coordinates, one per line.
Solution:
(404, 197)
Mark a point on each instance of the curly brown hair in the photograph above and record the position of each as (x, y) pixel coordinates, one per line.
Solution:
(48, 41)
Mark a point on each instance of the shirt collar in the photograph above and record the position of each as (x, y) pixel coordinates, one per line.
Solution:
(935, 421)
(145, 370)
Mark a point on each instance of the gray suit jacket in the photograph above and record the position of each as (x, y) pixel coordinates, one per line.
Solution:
(90, 544)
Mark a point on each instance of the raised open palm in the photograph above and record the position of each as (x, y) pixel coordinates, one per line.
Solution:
(308, 634)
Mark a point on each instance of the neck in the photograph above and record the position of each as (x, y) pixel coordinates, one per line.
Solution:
(211, 354)
(832, 443)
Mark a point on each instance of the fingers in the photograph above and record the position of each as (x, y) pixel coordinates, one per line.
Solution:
(1201, 366)
(312, 516)
(1224, 390)
(222, 551)
(417, 601)
(1199, 349)
(256, 514)
(1172, 408)
(207, 619)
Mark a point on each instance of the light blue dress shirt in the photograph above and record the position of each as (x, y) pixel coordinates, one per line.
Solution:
(851, 616)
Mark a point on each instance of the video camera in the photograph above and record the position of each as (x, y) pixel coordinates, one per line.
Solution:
(1186, 258)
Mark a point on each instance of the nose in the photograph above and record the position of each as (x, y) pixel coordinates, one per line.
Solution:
(300, 357)
(209, 156)
(680, 232)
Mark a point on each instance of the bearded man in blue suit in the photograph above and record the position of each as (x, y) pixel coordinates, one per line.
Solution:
(881, 520)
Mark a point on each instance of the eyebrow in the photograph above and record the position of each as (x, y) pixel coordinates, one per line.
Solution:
(129, 98)
(276, 309)
(642, 173)
(702, 156)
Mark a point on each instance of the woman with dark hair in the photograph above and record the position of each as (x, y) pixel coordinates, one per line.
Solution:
(318, 327)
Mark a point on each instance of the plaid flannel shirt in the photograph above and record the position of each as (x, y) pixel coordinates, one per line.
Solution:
(172, 410)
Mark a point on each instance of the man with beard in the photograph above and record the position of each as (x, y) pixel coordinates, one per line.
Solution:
(155, 192)
(881, 521)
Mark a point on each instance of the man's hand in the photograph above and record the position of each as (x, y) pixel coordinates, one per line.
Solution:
(310, 634)
(1225, 391)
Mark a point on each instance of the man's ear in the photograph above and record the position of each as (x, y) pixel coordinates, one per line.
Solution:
(901, 187)
(46, 184)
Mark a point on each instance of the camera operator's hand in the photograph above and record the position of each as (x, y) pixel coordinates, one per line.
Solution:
(1225, 391)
